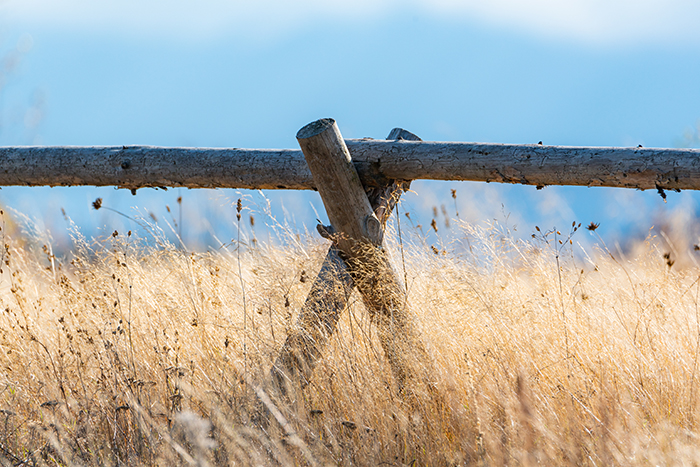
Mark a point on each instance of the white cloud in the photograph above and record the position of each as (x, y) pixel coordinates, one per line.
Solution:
(587, 21)
(183, 17)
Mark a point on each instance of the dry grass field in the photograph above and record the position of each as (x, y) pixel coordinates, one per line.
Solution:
(135, 351)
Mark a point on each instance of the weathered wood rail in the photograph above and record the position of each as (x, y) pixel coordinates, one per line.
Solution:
(376, 162)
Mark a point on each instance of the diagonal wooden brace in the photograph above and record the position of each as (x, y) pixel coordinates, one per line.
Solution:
(317, 321)
(349, 261)
(329, 294)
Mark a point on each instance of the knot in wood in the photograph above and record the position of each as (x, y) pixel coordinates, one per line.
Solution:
(373, 229)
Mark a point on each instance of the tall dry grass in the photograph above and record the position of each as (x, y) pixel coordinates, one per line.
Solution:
(135, 352)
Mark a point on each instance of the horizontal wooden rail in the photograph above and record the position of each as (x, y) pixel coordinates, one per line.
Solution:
(376, 162)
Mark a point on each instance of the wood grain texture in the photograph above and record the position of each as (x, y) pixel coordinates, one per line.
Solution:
(384, 197)
(532, 164)
(145, 166)
(377, 163)
(349, 210)
(317, 321)
(328, 297)
(339, 185)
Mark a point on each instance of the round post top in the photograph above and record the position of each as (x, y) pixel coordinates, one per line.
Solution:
(315, 128)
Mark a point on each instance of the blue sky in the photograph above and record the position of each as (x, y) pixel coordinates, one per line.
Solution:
(250, 74)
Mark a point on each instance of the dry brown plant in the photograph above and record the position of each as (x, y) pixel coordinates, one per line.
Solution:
(131, 352)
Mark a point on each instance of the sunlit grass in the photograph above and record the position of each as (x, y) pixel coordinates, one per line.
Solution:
(132, 352)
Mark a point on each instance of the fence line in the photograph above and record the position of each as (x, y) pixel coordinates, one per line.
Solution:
(359, 182)
(376, 161)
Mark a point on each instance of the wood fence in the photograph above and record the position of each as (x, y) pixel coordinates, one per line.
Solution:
(360, 181)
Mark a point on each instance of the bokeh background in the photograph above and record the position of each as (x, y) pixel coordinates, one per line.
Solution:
(218, 73)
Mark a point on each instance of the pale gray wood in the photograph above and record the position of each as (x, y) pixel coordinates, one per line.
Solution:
(316, 323)
(376, 161)
(532, 164)
(328, 297)
(384, 197)
(145, 166)
(339, 185)
(360, 246)
(398, 134)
